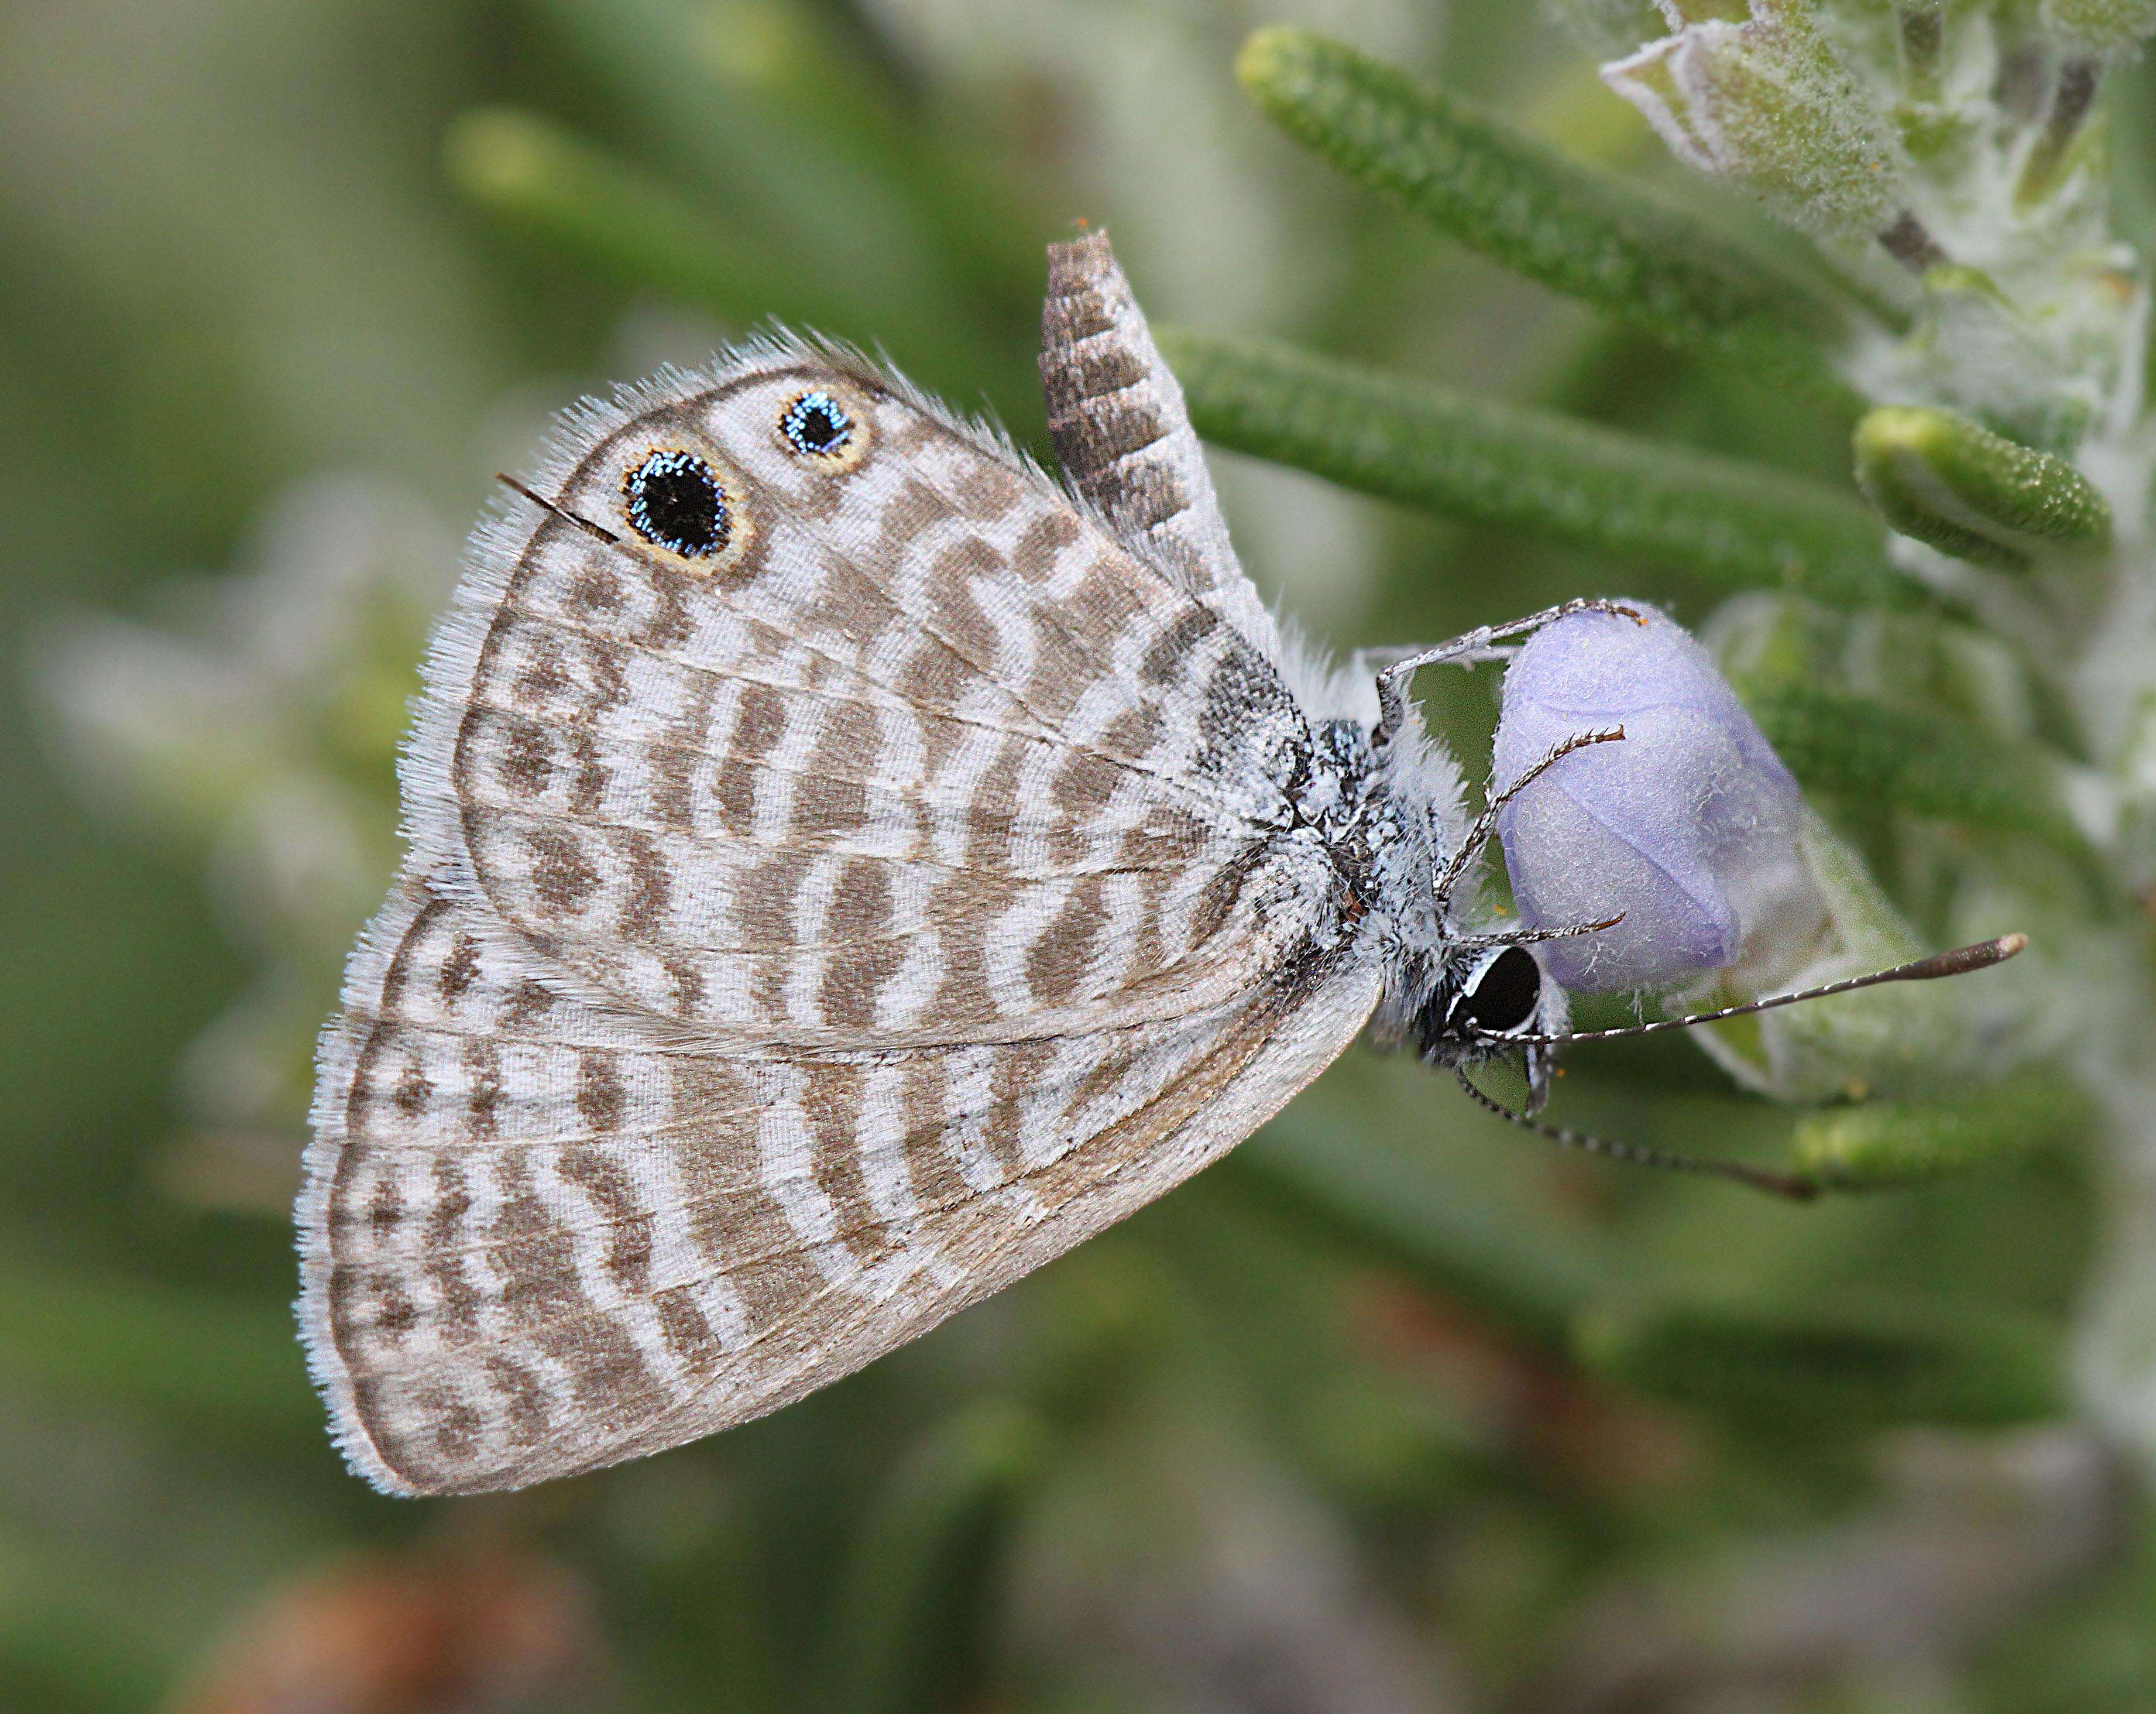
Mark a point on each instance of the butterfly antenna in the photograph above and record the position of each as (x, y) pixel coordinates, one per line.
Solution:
(1958, 962)
(567, 517)
(1758, 1178)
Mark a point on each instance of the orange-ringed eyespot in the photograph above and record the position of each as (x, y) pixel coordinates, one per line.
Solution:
(675, 502)
(817, 425)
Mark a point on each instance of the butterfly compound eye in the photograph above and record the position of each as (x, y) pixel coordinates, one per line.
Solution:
(1502, 995)
(817, 425)
(675, 501)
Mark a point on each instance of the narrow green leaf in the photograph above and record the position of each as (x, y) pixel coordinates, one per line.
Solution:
(1398, 1210)
(1498, 464)
(1969, 492)
(1863, 749)
(1559, 223)
(1882, 1143)
(910, 1598)
(534, 175)
(1812, 1369)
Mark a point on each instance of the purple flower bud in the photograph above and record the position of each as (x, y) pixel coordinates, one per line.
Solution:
(1688, 826)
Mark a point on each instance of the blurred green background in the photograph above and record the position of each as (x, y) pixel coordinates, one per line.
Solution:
(1390, 1412)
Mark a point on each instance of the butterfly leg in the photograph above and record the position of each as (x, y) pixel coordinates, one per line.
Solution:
(1479, 645)
(1478, 835)
(1536, 937)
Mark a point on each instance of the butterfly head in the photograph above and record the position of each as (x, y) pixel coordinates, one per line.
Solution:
(1485, 1002)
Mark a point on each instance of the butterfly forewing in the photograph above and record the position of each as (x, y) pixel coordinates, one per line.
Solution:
(932, 753)
(854, 885)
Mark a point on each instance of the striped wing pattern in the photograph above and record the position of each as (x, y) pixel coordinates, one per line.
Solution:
(1122, 433)
(793, 951)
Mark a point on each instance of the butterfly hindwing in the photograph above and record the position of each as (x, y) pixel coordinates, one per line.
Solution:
(1122, 434)
(538, 1239)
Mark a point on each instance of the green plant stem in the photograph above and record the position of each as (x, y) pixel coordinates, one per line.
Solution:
(1565, 225)
(1504, 465)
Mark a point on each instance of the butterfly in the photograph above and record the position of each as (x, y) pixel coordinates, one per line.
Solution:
(847, 869)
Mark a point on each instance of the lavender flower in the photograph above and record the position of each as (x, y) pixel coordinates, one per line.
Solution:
(1689, 828)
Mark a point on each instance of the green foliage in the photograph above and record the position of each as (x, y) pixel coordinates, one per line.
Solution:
(1914, 760)
(2101, 25)
(1492, 463)
(851, 210)
(1388, 1204)
(536, 175)
(151, 1356)
(1574, 230)
(1808, 1369)
(1886, 1144)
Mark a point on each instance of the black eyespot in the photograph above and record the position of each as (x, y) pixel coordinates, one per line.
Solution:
(816, 424)
(1503, 995)
(675, 502)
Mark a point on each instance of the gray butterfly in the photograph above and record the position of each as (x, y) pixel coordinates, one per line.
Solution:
(847, 870)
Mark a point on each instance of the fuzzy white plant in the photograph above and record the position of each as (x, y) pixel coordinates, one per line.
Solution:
(1951, 159)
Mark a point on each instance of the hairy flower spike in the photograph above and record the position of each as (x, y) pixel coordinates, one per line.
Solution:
(1758, 96)
(1688, 827)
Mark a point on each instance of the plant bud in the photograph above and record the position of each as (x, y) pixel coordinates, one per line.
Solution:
(1762, 100)
(1688, 827)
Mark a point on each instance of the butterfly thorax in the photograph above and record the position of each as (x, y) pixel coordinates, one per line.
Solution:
(1372, 813)
(1385, 817)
